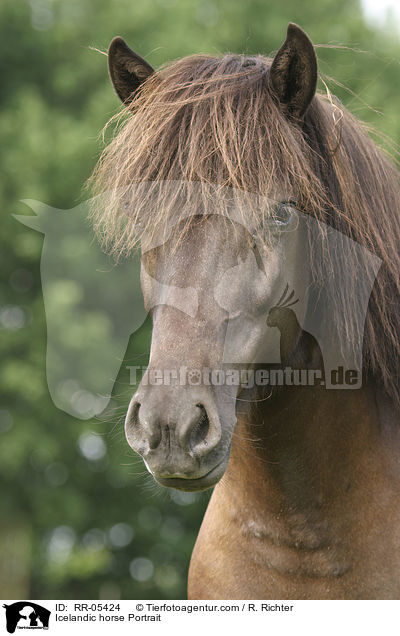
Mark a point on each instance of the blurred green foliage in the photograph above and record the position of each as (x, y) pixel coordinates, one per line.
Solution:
(79, 517)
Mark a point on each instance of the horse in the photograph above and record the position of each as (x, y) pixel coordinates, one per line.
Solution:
(306, 478)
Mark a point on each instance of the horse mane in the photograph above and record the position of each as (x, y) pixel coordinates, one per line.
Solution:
(215, 122)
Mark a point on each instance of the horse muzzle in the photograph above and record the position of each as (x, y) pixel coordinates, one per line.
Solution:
(179, 435)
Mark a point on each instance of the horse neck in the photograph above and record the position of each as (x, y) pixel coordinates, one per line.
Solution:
(307, 458)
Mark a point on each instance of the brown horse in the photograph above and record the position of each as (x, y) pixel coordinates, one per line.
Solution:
(307, 496)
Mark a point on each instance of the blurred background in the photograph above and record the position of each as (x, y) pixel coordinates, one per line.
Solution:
(79, 516)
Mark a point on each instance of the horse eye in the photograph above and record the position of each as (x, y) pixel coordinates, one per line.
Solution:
(283, 213)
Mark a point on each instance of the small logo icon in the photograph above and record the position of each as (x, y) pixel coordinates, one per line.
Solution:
(26, 615)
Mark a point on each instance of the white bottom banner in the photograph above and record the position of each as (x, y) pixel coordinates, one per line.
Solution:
(193, 617)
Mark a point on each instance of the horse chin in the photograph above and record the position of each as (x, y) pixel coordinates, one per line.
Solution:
(190, 484)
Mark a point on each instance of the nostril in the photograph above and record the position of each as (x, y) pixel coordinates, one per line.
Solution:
(141, 432)
(200, 431)
(205, 433)
(133, 415)
(131, 419)
(131, 424)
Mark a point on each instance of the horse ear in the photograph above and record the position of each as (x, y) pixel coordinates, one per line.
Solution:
(127, 69)
(293, 73)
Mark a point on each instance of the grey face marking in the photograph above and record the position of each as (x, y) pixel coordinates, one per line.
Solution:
(210, 296)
